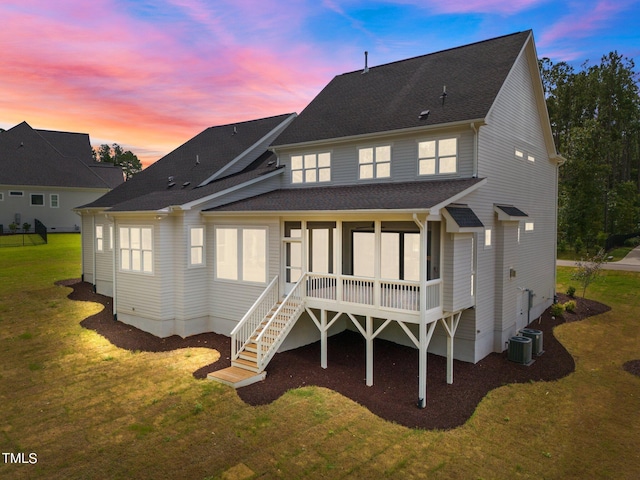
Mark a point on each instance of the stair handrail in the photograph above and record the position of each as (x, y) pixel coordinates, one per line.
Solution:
(265, 296)
(297, 293)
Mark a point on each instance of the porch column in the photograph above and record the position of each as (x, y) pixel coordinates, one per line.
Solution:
(323, 338)
(338, 253)
(369, 339)
(423, 340)
(303, 247)
(377, 262)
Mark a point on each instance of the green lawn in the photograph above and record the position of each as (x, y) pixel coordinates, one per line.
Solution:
(90, 410)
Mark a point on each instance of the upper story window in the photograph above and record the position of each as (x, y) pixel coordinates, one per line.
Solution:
(54, 200)
(15, 193)
(436, 157)
(311, 168)
(374, 162)
(136, 249)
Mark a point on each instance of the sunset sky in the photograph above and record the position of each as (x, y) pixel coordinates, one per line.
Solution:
(149, 74)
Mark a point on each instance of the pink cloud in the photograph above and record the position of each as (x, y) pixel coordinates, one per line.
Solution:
(496, 7)
(584, 21)
(126, 80)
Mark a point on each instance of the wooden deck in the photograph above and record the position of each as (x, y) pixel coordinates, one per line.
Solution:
(236, 377)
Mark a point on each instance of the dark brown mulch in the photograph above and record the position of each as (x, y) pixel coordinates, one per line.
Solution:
(394, 393)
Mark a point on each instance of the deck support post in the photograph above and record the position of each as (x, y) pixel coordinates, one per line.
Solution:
(422, 369)
(369, 339)
(450, 324)
(323, 338)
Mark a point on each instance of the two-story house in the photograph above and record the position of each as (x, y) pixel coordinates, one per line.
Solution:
(413, 201)
(44, 174)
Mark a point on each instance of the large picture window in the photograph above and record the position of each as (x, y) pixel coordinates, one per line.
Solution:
(437, 157)
(311, 168)
(136, 249)
(241, 254)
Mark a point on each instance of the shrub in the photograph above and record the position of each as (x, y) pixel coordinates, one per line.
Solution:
(578, 245)
(557, 309)
(571, 291)
(632, 242)
(570, 306)
(13, 227)
(26, 227)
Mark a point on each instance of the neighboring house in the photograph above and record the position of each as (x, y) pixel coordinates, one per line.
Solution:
(45, 174)
(413, 201)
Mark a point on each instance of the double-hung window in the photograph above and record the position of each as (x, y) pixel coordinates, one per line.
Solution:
(99, 238)
(311, 168)
(374, 162)
(136, 249)
(196, 246)
(437, 157)
(241, 254)
(54, 200)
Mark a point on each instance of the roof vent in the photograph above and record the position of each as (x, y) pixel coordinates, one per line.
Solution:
(424, 114)
(271, 163)
(366, 62)
(444, 94)
(170, 179)
(197, 159)
(172, 184)
(235, 130)
(185, 184)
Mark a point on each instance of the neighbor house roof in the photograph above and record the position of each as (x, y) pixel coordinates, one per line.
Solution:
(199, 167)
(420, 195)
(392, 97)
(52, 159)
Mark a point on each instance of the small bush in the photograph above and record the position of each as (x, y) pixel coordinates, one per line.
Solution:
(632, 242)
(571, 291)
(557, 309)
(570, 306)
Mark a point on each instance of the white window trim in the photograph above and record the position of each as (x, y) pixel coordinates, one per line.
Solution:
(488, 238)
(239, 252)
(437, 141)
(16, 193)
(36, 205)
(529, 226)
(99, 238)
(315, 168)
(129, 249)
(57, 196)
(374, 161)
(1, 196)
(110, 244)
(203, 263)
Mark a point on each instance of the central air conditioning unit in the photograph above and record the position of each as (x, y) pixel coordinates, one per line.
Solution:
(536, 338)
(520, 350)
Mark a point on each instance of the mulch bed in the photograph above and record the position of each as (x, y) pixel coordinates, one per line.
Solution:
(394, 393)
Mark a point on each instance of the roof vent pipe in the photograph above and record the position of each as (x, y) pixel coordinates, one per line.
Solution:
(366, 62)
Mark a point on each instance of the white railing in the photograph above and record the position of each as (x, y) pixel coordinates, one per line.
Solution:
(241, 334)
(281, 321)
(393, 294)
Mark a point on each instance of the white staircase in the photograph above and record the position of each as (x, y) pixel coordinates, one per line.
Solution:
(257, 337)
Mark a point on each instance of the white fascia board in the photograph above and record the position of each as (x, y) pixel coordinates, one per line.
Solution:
(378, 135)
(272, 134)
(435, 210)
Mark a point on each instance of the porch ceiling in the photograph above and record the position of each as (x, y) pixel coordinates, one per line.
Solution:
(409, 196)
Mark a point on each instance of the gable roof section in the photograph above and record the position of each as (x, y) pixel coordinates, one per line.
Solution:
(192, 167)
(418, 195)
(27, 157)
(391, 97)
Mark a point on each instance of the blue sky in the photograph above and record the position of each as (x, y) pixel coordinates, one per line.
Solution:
(149, 75)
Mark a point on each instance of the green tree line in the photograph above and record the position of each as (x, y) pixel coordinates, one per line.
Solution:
(116, 155)
(595, 118)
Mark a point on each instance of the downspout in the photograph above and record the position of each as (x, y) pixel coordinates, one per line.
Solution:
(475, 150)
(93, 250)
(114, 270)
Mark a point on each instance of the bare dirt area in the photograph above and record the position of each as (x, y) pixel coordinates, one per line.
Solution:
(394, 393)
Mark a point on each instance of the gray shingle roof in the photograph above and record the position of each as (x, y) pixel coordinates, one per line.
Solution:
(51, 159)
(195, 161)
(375, 196)
(464, 216)
(392, 96)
